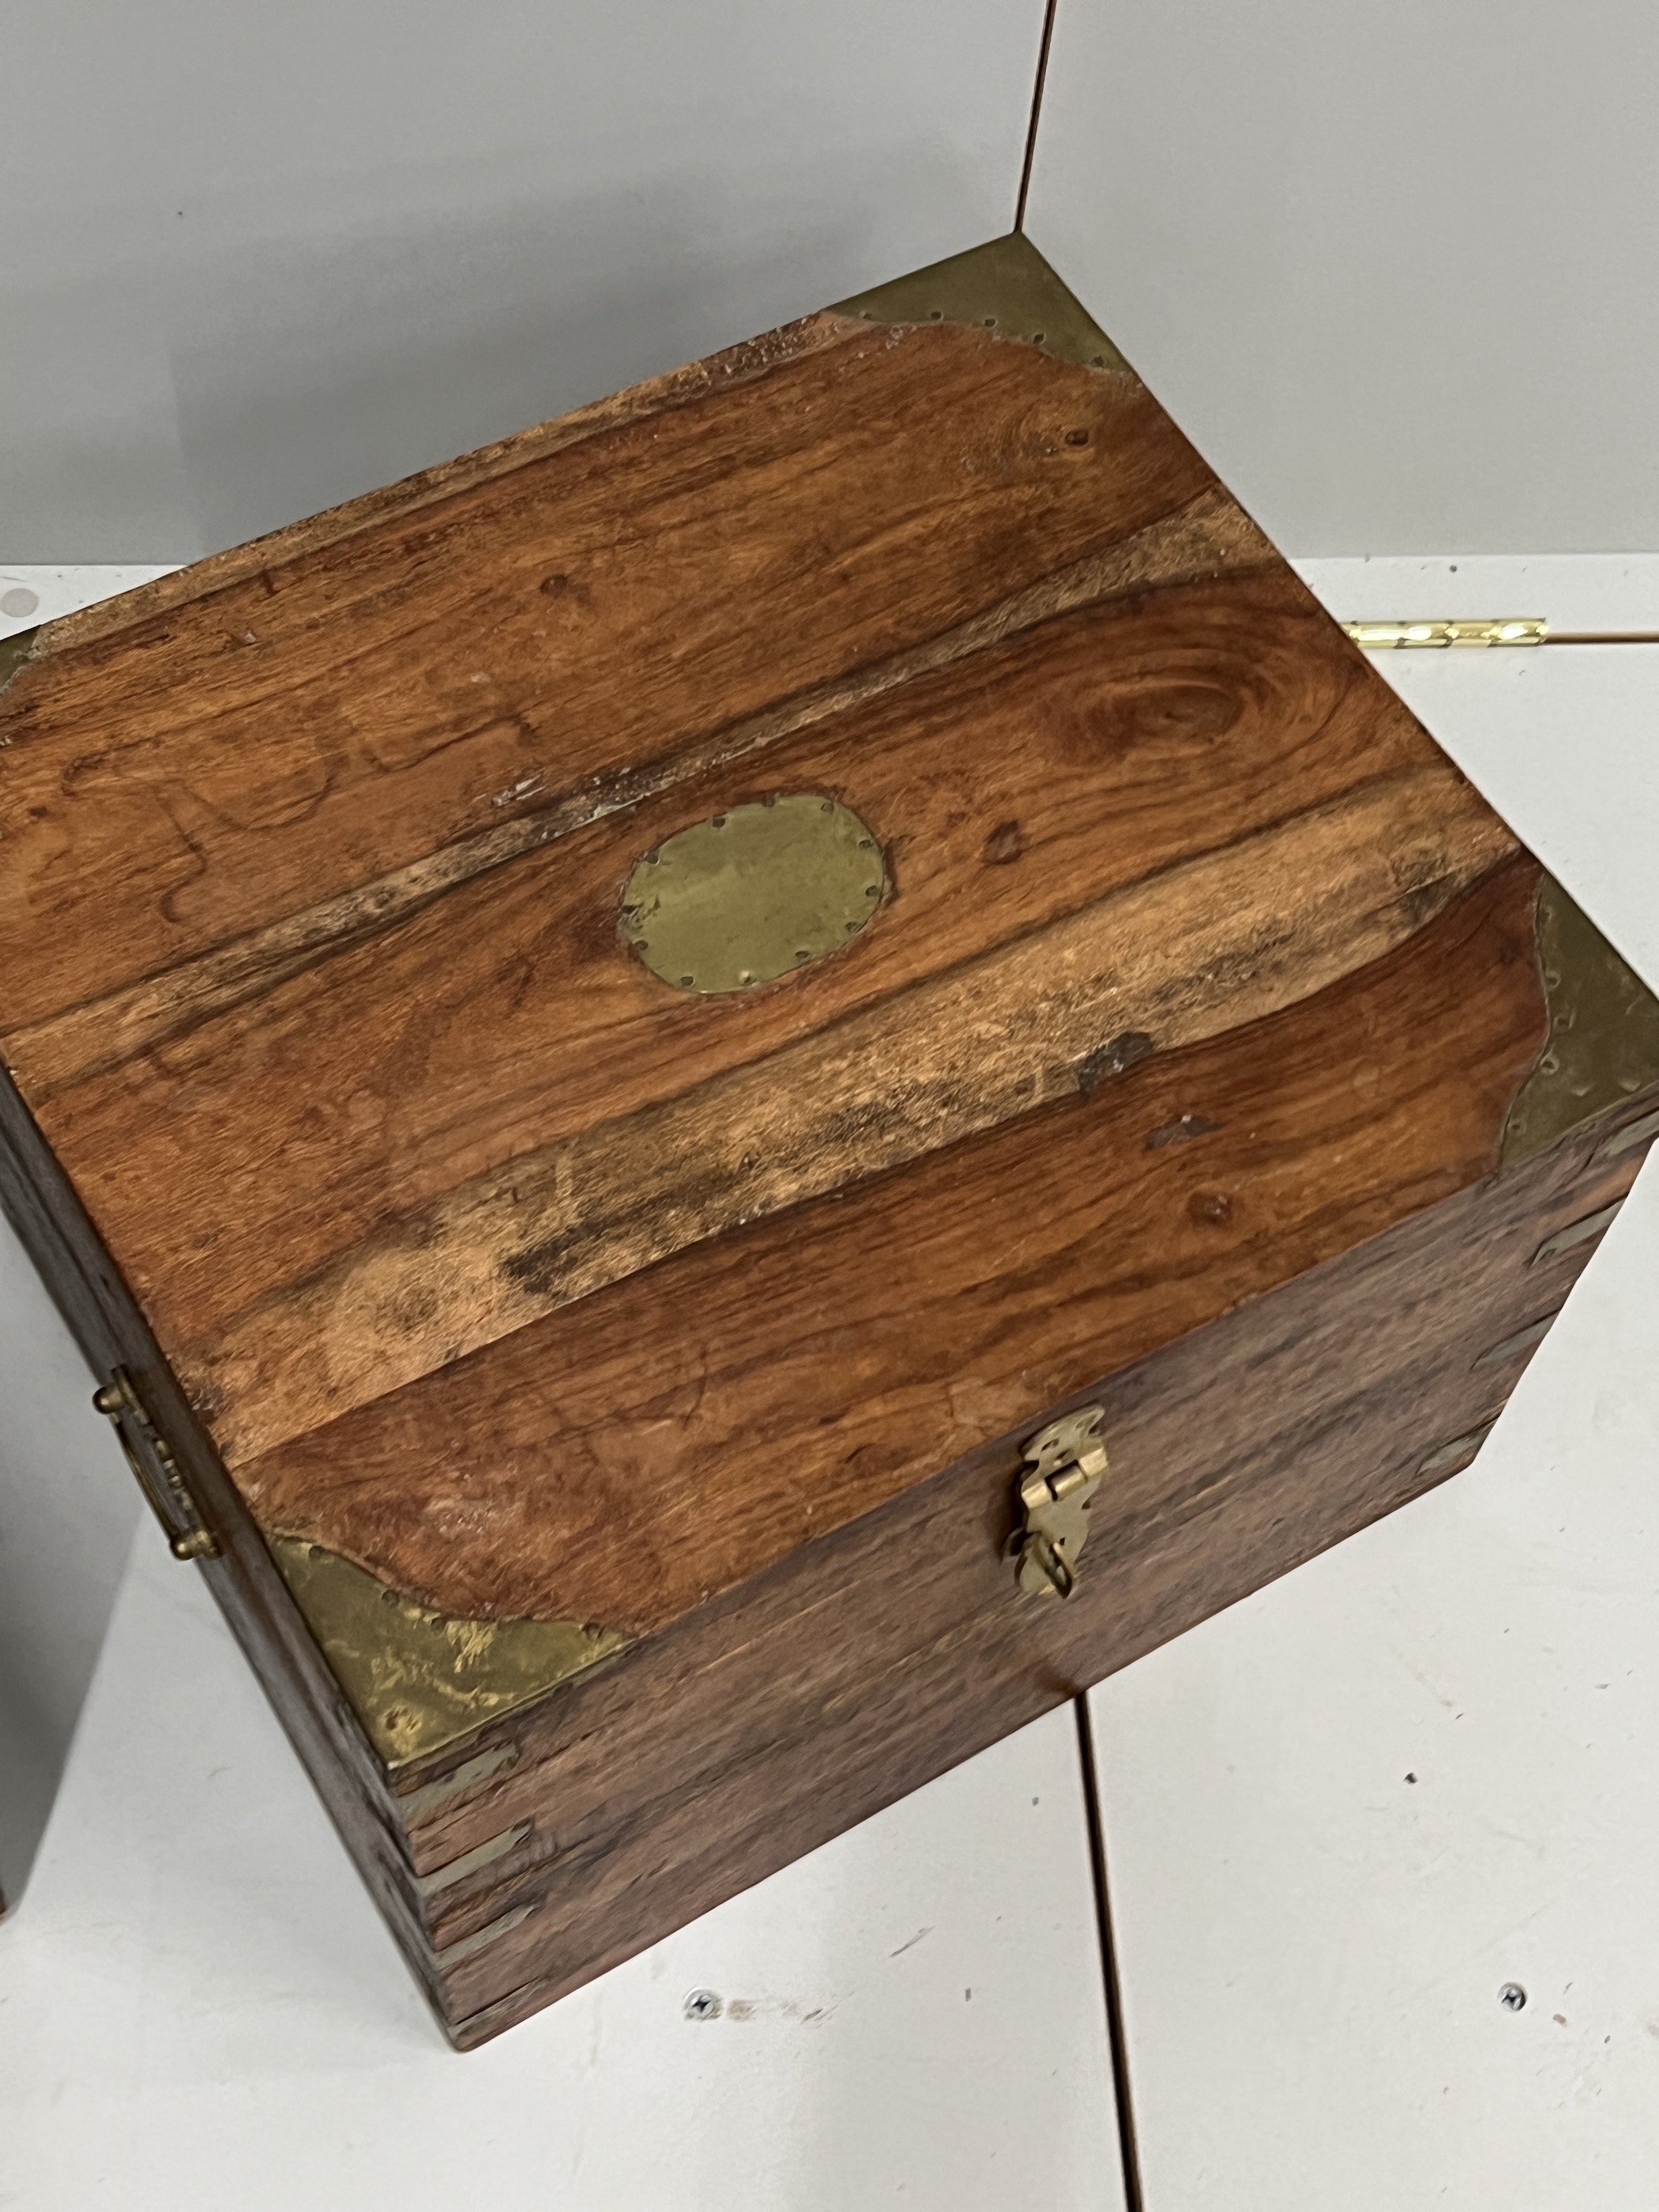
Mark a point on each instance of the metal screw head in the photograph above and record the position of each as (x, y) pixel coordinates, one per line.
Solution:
(704, 2004)
(1511, 1996)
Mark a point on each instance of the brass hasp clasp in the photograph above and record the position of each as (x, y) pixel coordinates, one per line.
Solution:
(1064, 1465)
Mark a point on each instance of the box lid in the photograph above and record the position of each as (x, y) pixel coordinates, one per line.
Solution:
(534, 975)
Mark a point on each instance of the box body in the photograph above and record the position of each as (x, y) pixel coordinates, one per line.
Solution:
(598, 1041)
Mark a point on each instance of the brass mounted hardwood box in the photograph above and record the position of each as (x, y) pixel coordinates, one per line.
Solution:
(658, 1066)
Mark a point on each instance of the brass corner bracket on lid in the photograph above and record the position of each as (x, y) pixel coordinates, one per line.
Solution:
(1602, 1044)
(1004, 287)
(418, 1679)
(14, 652)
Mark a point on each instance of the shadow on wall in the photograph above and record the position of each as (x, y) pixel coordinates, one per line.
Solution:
(68, 1511)
(196, 387)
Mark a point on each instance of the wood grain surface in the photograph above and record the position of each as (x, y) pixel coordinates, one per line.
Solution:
(663, 1438)
(331, 1023)
(862, 1665)
(1218, 941)
(1114, 743)
(1206, 535)
(669, 565)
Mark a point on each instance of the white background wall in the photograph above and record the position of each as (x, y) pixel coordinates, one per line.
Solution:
(1396, 268)
(254, 259)
(1393, 269)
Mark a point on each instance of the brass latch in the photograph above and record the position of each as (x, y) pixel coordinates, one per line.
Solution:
(1064, 1465)
(150, 1457)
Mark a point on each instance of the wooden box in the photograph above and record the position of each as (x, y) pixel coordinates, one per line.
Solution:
(660, 1064)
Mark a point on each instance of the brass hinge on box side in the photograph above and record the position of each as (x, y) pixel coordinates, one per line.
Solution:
(150, 1457)
(1064, 1465)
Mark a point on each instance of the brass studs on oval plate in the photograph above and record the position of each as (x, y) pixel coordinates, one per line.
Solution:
(753, 893)
(1064, 1465)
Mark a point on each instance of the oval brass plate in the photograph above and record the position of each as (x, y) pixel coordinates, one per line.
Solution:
(753, 893)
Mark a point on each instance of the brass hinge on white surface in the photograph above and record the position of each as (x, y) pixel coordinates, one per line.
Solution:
(150, 1457)
(1064, 1465)
(1508, 630)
